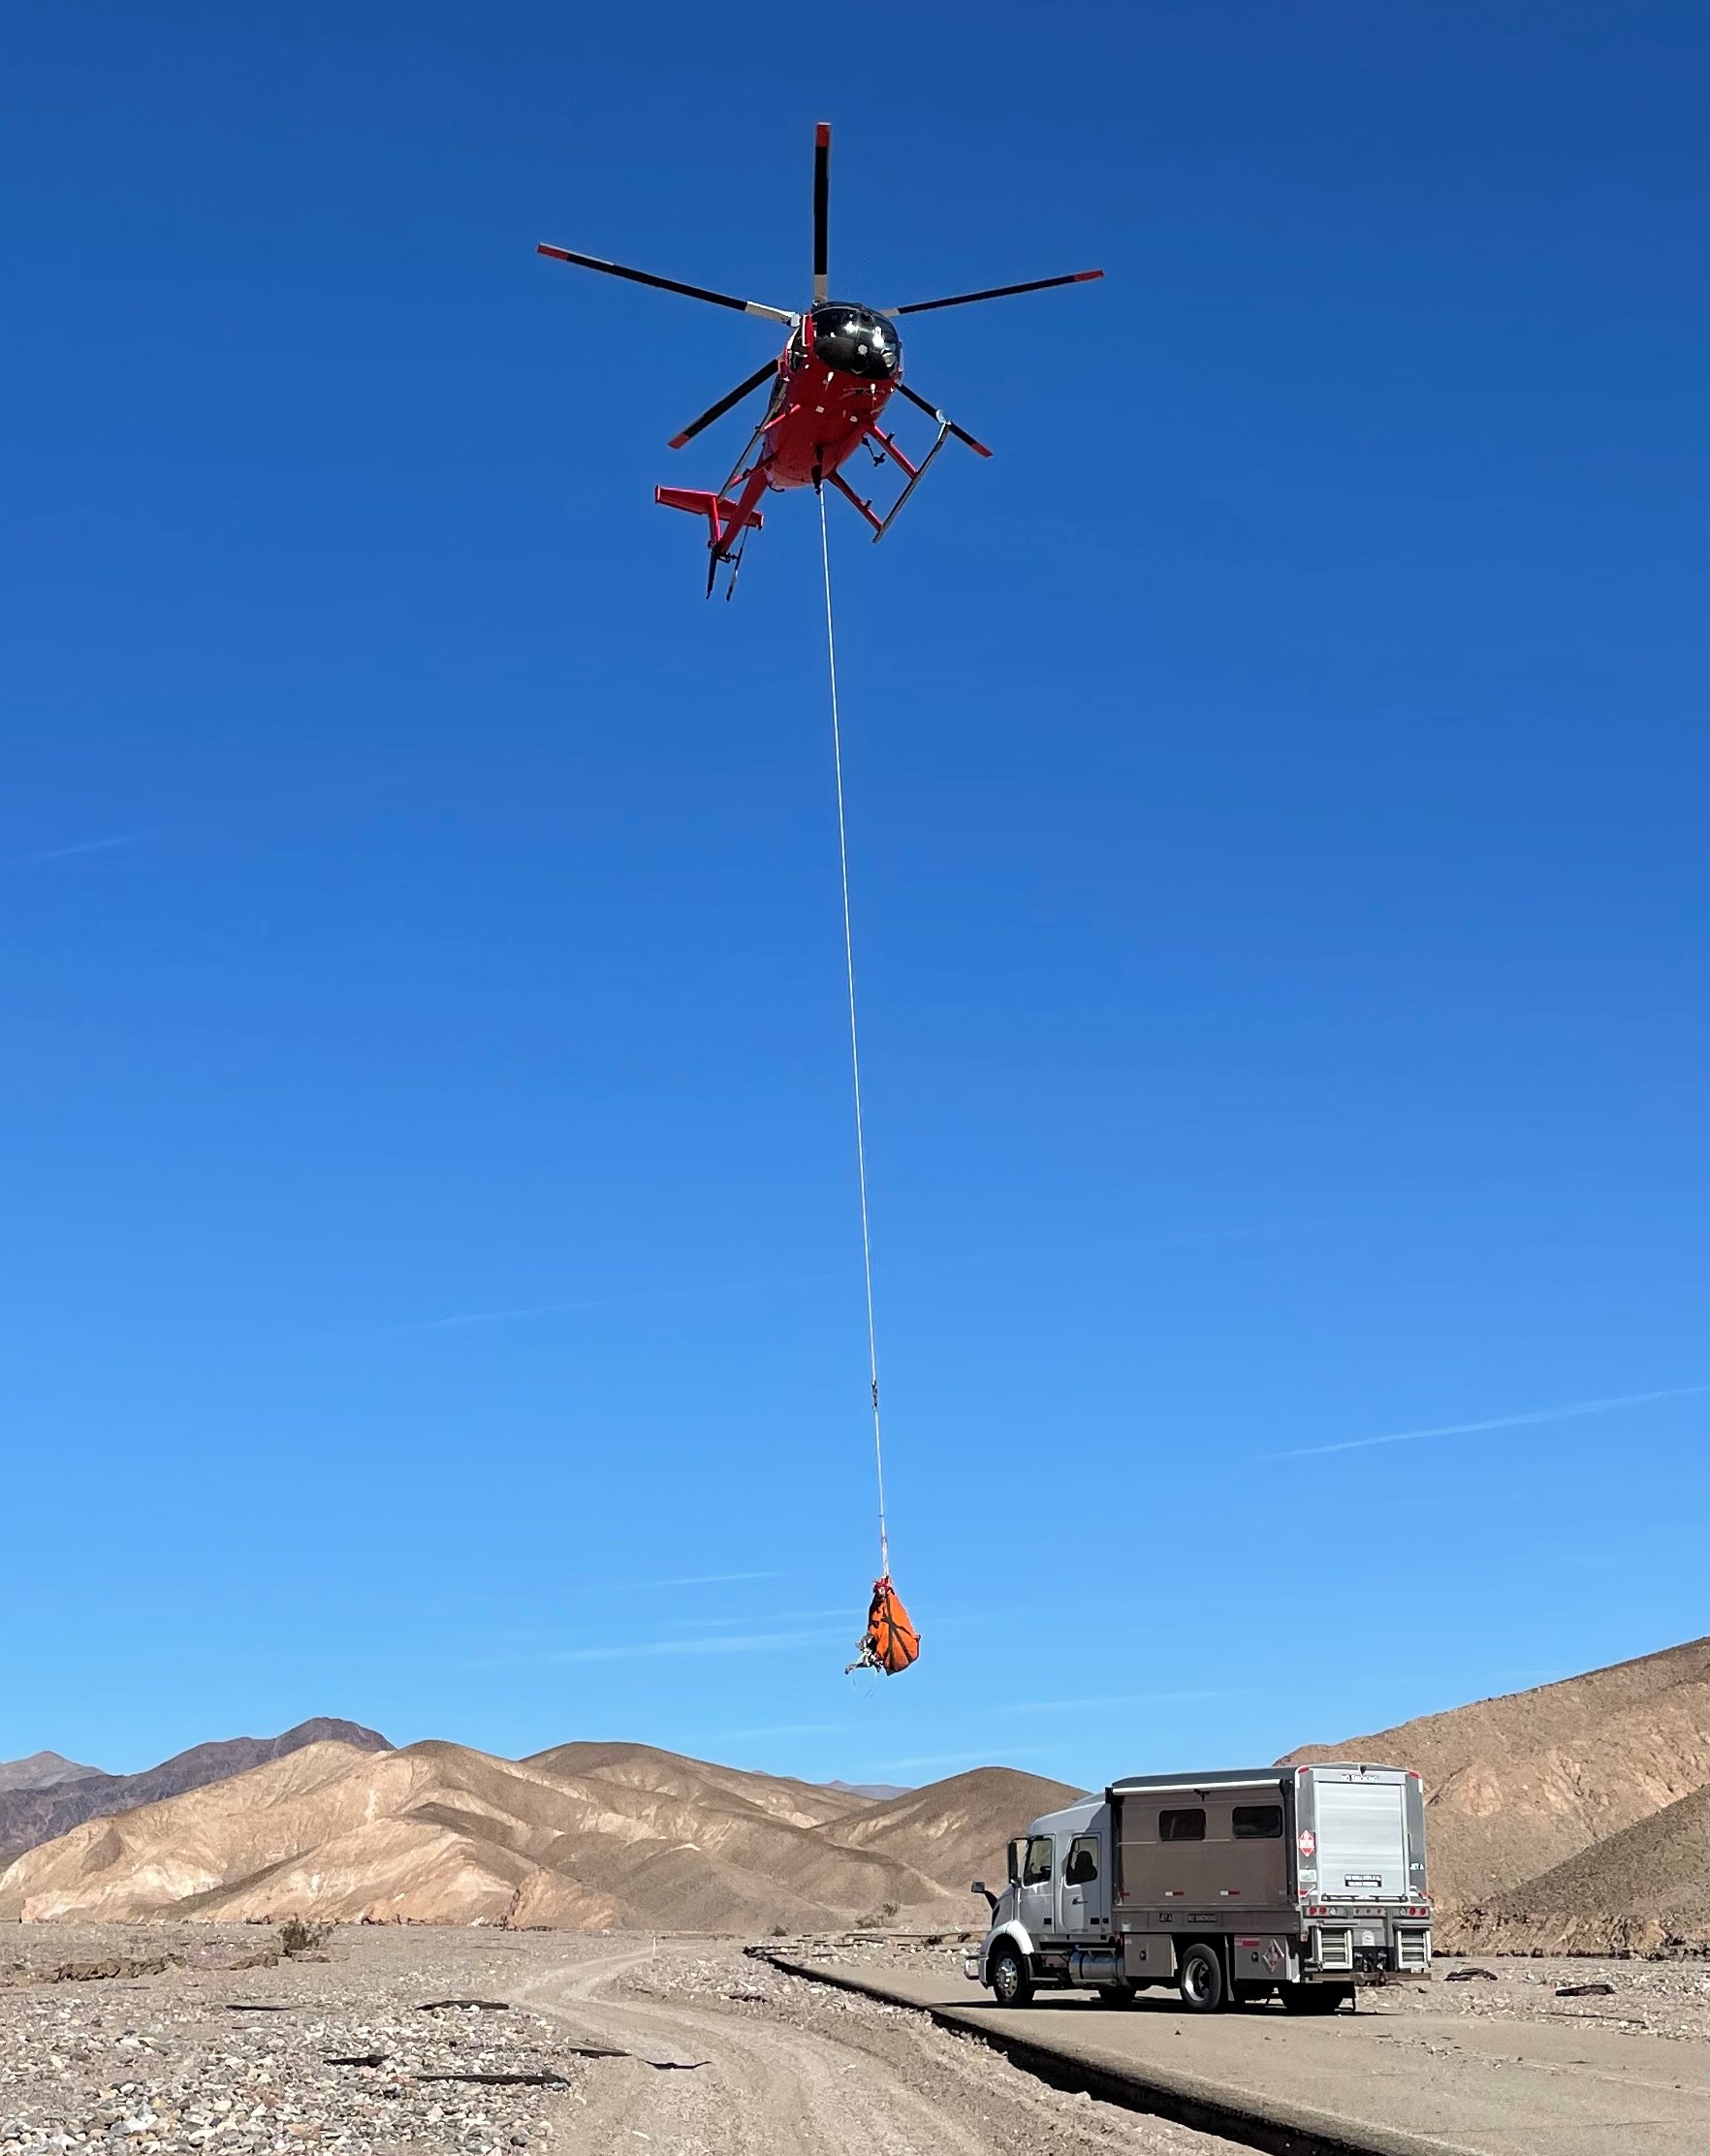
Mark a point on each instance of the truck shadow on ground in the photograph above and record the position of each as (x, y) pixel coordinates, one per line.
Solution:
(1166, 2009)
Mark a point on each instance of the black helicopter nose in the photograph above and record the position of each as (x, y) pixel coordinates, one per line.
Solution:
(857, 341)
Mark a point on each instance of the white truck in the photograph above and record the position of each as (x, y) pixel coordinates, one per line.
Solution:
(1234, 1887)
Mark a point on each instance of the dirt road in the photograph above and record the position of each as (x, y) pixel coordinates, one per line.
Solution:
(1437, 2067)
(733, 2059)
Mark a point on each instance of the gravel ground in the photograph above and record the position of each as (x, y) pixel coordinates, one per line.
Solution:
(167, 2037)
(174, 2059)
(1657, 1998)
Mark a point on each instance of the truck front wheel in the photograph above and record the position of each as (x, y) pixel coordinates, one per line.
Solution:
(1201, 1979)
(1011, 1985)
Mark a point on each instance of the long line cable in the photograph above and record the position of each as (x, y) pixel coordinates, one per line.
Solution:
(831, 653)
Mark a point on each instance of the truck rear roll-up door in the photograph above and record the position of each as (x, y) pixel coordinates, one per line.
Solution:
(1362, 1838)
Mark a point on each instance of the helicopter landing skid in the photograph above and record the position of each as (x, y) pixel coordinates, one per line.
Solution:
(916, 473)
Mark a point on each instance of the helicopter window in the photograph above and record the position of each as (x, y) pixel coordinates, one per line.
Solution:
(856, 343)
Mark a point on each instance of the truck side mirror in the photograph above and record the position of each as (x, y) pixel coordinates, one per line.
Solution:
(1014, 1862)
(979, 1886)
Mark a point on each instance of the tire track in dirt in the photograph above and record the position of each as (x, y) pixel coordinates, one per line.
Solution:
(706, 2081)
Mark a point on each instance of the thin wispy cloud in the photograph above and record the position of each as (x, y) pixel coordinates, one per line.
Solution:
(665, 1650)
(783, 1730)
(338, 790)
(81, 846)
(1115, 1699)
(515, 1313)
(704, 1579)
(1530, 1419)
(961, 1760)
(467, 1320)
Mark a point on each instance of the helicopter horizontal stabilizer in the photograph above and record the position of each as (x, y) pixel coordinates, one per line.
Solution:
(726, 518)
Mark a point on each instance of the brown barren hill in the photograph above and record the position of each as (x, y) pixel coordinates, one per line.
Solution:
(438, 1833)
(697, 1781)
(955, 1831)
(1641, 1891)
(1519, 1785)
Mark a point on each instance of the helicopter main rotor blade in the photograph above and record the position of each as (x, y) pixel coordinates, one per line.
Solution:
(961, 433)
(821, 211)
(725, 404)
(666, 284)
(996, 292)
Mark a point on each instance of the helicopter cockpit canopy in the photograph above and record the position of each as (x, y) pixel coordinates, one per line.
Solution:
(857, 341)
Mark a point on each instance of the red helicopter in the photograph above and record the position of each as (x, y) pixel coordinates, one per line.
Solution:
(829, 385)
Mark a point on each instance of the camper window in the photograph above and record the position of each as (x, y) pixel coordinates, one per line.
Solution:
(1258, 1822)
(1181, 1826)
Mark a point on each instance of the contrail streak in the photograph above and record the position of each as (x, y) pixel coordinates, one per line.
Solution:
(1494, 1422)
(83, 845)
(631, 1650)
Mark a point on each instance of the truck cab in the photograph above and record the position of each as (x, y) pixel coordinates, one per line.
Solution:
(1235, 1887)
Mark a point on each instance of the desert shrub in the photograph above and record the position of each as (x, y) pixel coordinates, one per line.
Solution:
(296, 1937)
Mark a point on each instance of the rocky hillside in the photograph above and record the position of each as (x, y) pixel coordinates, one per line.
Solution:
(1642, 1891)
(44, 1805)
(585, 1836)
(1544, 1785)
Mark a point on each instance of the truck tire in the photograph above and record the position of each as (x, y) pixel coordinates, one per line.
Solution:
(1011, 1985)
(1314, 1998)
(1201, 1978)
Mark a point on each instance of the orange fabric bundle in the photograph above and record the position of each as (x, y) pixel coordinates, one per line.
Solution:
(891, 1642)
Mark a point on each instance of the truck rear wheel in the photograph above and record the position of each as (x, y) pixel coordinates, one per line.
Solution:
(1011, 1985)
(1201, 1979)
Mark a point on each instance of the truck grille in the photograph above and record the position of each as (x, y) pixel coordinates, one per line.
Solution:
(1413, 1950)
(1336, 1950)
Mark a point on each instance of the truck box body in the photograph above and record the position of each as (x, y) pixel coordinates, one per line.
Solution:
(1295, 1877)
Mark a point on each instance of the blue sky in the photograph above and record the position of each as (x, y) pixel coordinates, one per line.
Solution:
(1276, 784)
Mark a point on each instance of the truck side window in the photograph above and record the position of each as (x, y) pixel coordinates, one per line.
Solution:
(1083, 1861)
(1181, 1826)
(1257, 1822)
(1036, 1871)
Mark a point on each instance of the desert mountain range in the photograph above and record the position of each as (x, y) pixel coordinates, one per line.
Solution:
(585, 1836)
(1575, 1816)
(45, 1796)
